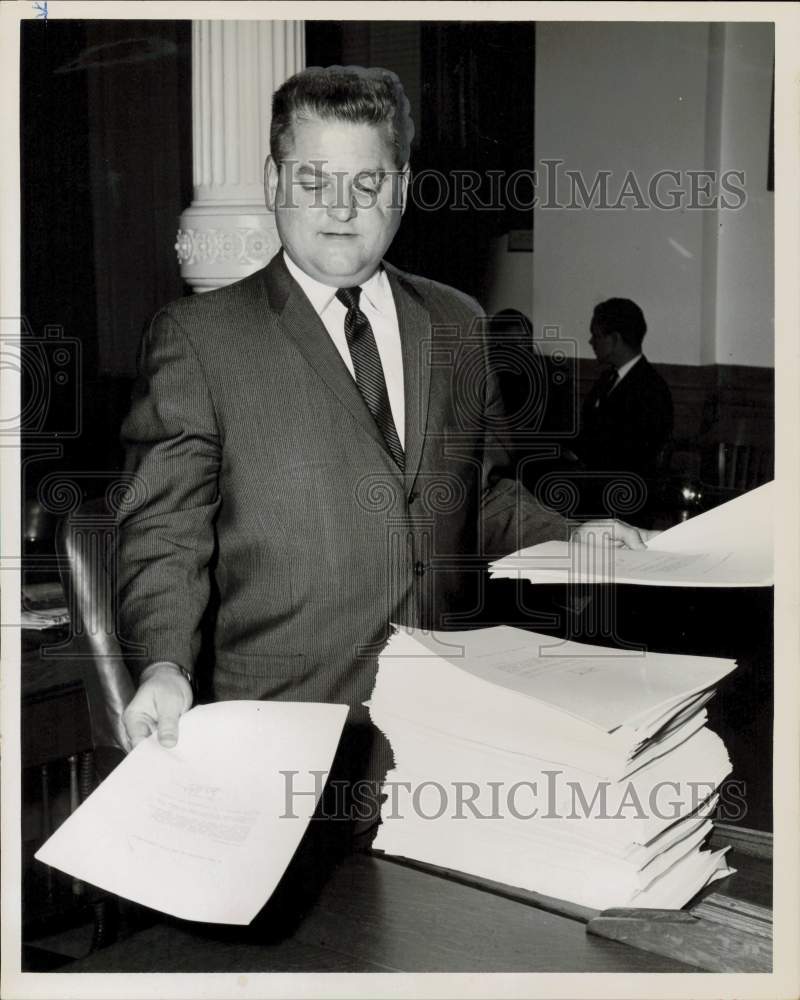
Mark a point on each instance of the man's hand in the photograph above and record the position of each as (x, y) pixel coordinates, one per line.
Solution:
(164, 695)
(620, 534)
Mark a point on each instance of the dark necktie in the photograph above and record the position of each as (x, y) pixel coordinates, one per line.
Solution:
(369, 373)
(605, 384)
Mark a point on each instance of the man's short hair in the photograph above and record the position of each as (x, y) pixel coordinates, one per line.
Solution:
(342, 93)
(623, 317)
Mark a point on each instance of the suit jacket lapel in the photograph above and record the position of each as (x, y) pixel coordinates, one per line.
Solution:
(415, 336)
(629, 385)
(307, 331)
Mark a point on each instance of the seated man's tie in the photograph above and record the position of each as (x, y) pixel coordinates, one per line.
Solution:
(368, 369)
(605, 384)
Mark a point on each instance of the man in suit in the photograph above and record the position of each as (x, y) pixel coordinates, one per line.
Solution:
(626, 419)
(319, 445)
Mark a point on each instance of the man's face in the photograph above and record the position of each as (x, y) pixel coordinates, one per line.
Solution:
(338, 199)
(603, 344)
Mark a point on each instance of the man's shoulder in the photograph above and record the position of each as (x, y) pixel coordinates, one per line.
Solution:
(650, 372)
(435, 293)
(227, 301)
(645, 380)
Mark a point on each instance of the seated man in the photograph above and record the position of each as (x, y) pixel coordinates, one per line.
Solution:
(626, 419)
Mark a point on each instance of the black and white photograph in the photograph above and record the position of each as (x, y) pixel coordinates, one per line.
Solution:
(400, 434)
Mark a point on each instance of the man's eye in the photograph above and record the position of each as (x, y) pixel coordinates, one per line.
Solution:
(368, 183)
(311, 187)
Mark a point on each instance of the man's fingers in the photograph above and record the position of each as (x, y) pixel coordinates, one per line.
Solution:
(629, 536)
(138, 727)
(163, 695)
(618, 533)
(168, 730)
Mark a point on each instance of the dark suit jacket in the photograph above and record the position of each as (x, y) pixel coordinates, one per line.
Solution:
(263, 477)
(629, 428)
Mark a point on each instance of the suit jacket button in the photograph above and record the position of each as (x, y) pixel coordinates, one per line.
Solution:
(419, 568)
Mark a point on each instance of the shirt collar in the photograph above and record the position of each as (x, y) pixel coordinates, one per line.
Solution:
(376, 289)
(624, 369)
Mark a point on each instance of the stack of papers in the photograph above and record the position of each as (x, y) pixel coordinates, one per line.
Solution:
(729, 546)
(575, 771)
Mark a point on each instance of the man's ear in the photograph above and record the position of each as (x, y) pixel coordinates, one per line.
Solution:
(405, 179)
(271, 178)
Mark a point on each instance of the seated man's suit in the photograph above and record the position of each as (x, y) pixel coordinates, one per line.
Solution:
(624, 430)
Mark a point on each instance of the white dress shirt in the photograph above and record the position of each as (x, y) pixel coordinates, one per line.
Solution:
(377, 304)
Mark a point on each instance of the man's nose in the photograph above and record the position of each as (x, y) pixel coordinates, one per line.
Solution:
(342, 206)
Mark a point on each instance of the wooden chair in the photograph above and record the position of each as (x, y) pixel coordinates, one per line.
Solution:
(86, 546)
(736, 457)
(73, 720)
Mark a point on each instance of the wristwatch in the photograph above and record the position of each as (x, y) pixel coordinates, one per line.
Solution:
(188, 677)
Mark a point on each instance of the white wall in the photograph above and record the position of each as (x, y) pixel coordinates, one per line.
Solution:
(744, 333)
(647, 97)
(509, 278)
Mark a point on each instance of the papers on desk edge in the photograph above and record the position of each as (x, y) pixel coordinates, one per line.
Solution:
(202, 831)
(729, 546)
(589, 737)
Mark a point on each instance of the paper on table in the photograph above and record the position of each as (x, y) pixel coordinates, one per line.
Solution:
(729, 546)
(203, 831)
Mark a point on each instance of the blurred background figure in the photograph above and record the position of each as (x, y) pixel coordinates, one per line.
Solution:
(537, 396)
(517, 365)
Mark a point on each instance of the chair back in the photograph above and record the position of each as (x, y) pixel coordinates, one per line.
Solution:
(86, 545)
(738, 457)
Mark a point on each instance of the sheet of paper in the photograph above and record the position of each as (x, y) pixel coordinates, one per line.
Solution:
(566, 563)
(729, 546)
(204, 831)
(743, 525)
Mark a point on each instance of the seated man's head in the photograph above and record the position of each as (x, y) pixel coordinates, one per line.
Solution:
(337, 174)
(617, 331)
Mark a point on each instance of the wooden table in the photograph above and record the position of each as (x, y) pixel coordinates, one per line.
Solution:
(377, 915)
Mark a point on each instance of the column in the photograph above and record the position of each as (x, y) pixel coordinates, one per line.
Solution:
(227, 232)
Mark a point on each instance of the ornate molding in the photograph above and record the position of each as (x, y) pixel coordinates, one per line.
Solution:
(215, 247)
(244, 246)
